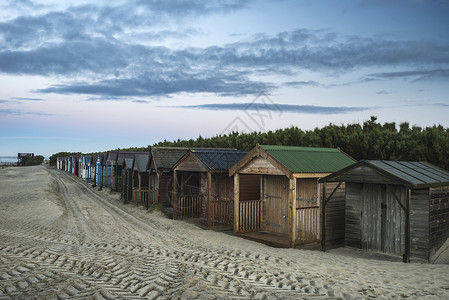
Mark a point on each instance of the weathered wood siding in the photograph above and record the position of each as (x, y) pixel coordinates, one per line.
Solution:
(191, 164)
(335, 213)
(419, 223)
(439, 218)
(249, 187)
(276, 203)
(222, 198)
(260, 165)
(165, 192)
(353, 215)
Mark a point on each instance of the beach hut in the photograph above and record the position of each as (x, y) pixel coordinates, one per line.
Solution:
(160, 168)
(276, 193)
(75, 165)
(59, 164)
(109, 169)
(140, 178)
(99, 167)
(127, 186)
(118, 167)
(84, 167)
(202, 187)
(395, 207)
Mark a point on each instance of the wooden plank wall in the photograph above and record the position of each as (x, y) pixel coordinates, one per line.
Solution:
(222, 198)
(419, 223)
(166, 190)
(353, 215)
(249, 187)
(439, 218)
(335, 214)
(250, 198)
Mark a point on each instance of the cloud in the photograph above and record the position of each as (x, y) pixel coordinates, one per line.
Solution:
(415, 75)
(150, 85)
(19, 112)
(105, 50)
(27, 99)
(441, 104)
(383, 92)
(305, 109)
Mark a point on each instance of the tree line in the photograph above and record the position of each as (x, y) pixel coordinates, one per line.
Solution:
(370, 140)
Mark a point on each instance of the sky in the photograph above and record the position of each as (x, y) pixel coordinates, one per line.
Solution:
(89, 76)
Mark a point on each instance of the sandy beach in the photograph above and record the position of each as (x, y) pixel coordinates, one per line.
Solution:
(62, 239)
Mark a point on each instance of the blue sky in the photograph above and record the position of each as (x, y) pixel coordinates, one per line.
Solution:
(94, 76)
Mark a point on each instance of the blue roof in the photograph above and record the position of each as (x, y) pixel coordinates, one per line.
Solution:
(218, 159)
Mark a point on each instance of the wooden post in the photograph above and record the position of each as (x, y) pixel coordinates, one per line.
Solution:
(175, 194)
(406, 257)
(209, 203)
(292, 212)
(236, 202)
(261, 221)
(323, 218)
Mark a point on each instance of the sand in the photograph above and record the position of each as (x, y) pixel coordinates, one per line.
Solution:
(62, 239)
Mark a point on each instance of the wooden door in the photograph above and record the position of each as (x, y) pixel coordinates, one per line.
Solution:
(307, 210)
(383, 220)
(276, 203)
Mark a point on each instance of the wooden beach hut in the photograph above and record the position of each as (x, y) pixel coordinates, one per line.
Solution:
(276, 193)
(140, 178)
(109, 169)
(127, 185)
(118, 167)
(394, 207)
(202, 187)
(99, 170)
(160, 168)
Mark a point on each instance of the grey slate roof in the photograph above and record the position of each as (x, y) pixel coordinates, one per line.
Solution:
(122, 155)
(141, 162)
(218, 159)
(411, 173)
(111, 156)
(166, 157)
(415, 173)
(128, 163)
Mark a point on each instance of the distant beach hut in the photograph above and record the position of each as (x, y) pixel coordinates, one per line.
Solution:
(202, 187)
(109, 169)
(140, 178)
(160, 168)
(127, 185)
(75, 165)
(118, 169)
(99, 168)
(394, 207)
(276, 194)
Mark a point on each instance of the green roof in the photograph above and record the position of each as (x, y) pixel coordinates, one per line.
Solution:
(309, 159)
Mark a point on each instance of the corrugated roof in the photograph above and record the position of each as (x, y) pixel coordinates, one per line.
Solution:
(309, 159)
(141, 161)
(414, 172)
(165, 157)
(218, 159)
